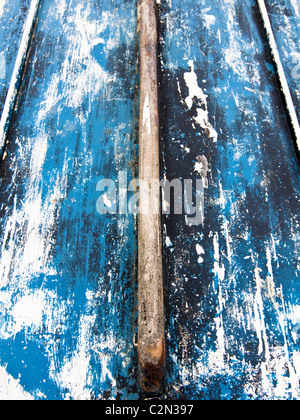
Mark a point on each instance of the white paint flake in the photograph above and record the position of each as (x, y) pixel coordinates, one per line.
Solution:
(196, 92)
(200, 251)
(219, 271)
(210, 20)
(295, 5)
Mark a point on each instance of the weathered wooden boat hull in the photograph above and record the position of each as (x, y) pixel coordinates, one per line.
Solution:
(68, 278)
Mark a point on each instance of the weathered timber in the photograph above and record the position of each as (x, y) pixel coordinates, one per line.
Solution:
(151, 342)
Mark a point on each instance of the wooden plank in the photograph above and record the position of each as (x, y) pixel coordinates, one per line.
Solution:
(67, 281)
(285, 20)
(151, 328)
(232, 282)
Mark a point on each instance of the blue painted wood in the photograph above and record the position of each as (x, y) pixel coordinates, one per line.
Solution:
(67, 282)
(285, 20)
(13, 16)
(233, 283)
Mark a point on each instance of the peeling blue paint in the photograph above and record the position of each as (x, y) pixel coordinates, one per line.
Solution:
(13, 17)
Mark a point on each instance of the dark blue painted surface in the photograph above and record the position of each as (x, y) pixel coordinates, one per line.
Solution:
(232, 283)
(68, 274)
(13, 16)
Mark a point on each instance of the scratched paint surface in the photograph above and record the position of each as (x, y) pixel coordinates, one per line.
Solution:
(67, 290)
(232, 284)
(12, 19)
(285, 20)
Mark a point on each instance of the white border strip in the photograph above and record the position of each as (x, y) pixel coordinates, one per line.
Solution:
(282, 78)
(17, 73)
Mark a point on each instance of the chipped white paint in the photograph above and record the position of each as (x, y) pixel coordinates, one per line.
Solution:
(246, 308)
(168, 242)
(259, 319)
(219, 271)
(185, 148)
(198, 167)
(28, 312)
(107, 200)
(195, 91)
(75, 374)
(210, 20)
(233, 56)
(79, 81)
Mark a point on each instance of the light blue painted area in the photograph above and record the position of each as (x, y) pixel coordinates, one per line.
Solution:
(2, 66)
(13, 16)
(67, 284)
(233, 291)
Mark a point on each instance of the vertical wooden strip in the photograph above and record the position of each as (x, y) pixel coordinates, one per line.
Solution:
(151, 342)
